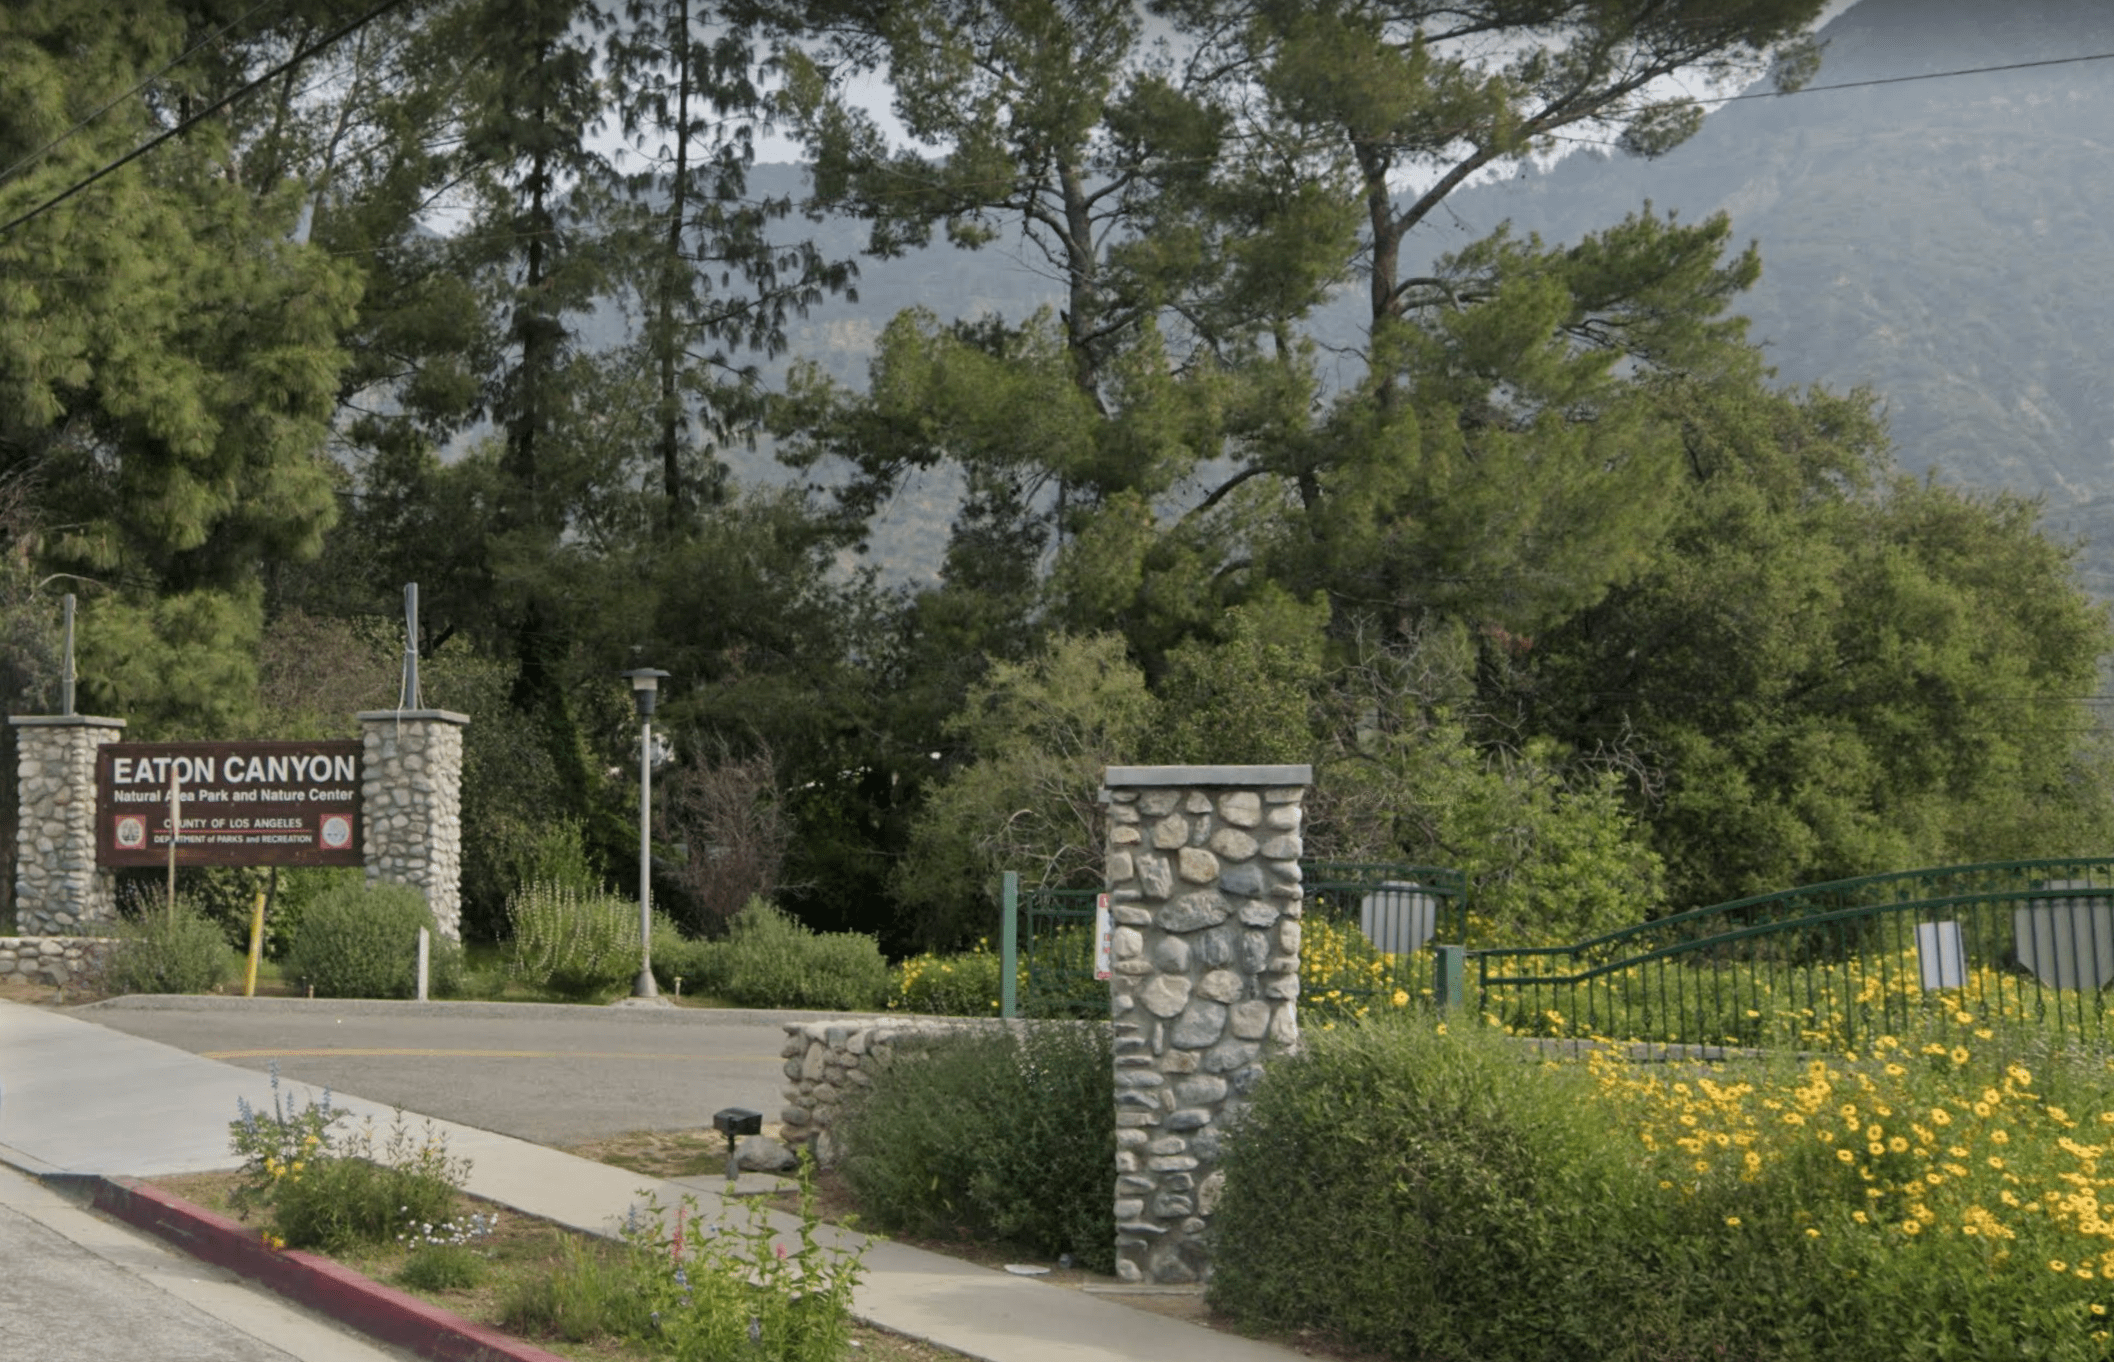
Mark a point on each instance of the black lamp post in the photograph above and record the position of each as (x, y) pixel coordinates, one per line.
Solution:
(645, 683)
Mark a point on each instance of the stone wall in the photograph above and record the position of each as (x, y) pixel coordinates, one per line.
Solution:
(58, 887)
(827, 1060)
(1202, 867)
(411, 805)
(56, 960)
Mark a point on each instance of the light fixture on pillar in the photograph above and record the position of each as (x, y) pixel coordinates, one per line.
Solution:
(645, 686)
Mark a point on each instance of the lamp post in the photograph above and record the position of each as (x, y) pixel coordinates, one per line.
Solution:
(645, 683)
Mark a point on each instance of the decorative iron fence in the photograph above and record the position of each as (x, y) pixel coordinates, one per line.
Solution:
(1057, 954)
(1367, 927)
(2025, 942)
(1367, 931)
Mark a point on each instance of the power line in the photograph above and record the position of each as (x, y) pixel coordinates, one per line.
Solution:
(328, 40)
(1897, 80)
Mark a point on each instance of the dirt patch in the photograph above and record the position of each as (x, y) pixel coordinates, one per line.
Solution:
(662, 1153)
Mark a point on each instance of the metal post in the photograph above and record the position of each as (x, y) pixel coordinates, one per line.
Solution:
(249, 977)
(176, 824)
(425, 959)
(644, 987)
(1009, 944)
(66, 673)
(410, 693)
(1449, 976)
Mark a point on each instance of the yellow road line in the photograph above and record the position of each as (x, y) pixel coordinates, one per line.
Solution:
(358, 1053)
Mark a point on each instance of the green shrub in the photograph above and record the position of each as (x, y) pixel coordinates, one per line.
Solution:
(300, 886)
(328, 1188)
(162, 953)
(772, 960)
(571, 941)
(964, 984)
(1006, 1135)
(1439, 1196)
(361, 941)
(700, 964)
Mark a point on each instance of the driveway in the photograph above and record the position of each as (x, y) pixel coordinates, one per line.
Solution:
(551, 1074)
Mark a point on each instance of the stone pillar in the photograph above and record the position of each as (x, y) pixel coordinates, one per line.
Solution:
(1204, 887)
(59, 889)
(411, 805)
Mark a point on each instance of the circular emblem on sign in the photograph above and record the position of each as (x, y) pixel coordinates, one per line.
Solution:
(132, 832)
(337, 832)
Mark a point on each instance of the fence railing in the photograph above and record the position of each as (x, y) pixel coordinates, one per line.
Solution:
(1367, 932)
(1056, 953)
(2023, 942)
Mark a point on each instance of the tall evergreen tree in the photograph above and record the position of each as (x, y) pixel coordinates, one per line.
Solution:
(169, 356)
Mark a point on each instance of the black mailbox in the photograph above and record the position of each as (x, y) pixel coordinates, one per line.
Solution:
(733, 1121)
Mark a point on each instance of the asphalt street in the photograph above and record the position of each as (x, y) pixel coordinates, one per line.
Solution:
(80, 1288)
(552, 1075)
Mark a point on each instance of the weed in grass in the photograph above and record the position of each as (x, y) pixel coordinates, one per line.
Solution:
(443, 1267)
(593, 1292)
(327, 1188)
(698, 1291)
(727, 1290)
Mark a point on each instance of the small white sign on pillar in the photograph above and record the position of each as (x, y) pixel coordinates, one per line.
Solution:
(1104, 937)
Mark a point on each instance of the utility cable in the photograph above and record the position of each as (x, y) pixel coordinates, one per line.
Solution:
(327, 41)
(1895, 80)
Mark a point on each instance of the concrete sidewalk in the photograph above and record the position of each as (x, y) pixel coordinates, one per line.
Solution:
(80, 1098)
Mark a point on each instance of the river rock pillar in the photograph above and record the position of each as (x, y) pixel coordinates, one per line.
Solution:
(59, 888)
(1202, 866)
(411, 805)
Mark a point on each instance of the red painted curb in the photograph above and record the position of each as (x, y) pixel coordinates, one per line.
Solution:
(379, 1311)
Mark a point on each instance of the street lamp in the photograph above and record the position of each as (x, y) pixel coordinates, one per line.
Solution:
(645, 682)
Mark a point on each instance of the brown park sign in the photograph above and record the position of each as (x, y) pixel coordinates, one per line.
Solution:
(242, 803)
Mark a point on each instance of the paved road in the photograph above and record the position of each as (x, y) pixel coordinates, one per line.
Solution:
(80, 1288)
(552, 1075)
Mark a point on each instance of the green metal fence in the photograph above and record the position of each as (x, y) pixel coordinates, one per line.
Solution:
(1368, 927)
(1057, 954)
(1368, 930)
(2027, 942)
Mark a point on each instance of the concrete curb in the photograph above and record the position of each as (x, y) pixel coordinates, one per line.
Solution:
(379, 1311)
